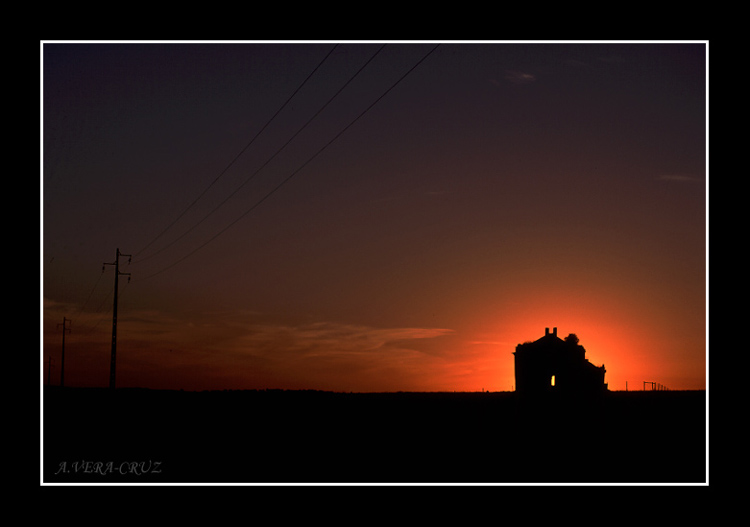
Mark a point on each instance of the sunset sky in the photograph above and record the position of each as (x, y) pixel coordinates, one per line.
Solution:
(301, 218)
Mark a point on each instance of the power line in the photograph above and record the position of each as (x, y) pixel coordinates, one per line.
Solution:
(101, 315)
(239, 154)
(288, 178)
(91, 293)
(330, 100)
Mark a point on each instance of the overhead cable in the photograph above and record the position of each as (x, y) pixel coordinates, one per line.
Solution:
(288, 178)
(239, 154)
(269, 159)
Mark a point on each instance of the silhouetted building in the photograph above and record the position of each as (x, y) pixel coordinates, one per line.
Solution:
(553, 365)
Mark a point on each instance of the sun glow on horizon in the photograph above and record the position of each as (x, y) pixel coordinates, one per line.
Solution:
(467, 347)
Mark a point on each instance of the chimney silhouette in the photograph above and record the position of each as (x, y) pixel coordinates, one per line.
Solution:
(547, 333)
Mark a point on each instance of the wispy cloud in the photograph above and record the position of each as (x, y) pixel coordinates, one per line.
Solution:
(519, 77)
(243, 349)
(330, 355)
(326, 338)
(515, 77)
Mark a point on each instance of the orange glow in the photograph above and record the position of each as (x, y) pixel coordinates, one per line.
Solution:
(632, 344)
(233, 351)
(459, 218)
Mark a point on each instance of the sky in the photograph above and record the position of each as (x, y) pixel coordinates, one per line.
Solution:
(371, 216)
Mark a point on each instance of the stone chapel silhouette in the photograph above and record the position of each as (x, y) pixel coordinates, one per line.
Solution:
(553, 365)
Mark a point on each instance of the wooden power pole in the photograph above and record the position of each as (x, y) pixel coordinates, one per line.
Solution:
(113, 359)
(62, 365)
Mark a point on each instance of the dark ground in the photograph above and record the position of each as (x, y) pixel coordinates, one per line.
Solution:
(146, 436)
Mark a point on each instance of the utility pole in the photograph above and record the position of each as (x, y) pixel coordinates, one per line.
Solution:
(49, 369)
(113, 360)
(62, 366)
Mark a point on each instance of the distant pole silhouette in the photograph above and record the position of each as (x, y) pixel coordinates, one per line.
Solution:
(62, 366)
(113, 360)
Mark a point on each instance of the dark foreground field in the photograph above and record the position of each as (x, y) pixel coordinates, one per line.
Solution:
(145, 436)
